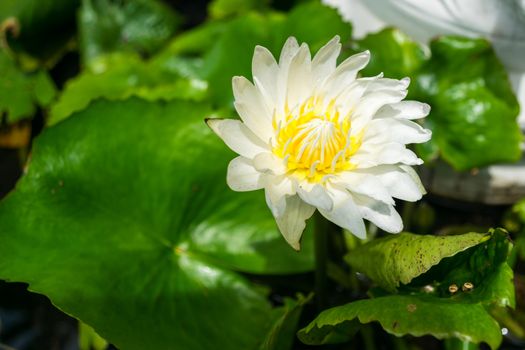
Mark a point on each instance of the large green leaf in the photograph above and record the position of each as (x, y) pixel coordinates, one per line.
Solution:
(400, 315)
(473, 106)
(119, 76)
(400, 258)
(115, 222)
(392, 53)
(43, 26)
(21, 92)
(412, 263)
(130, 25)
(194, 42)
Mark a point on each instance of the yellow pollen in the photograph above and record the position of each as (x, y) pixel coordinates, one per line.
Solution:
(315, 140)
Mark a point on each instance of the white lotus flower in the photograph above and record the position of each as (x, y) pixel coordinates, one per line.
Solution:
(315, 136)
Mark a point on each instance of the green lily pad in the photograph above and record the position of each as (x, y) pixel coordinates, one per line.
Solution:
(392, 53)
(473, 106)
(484, 267)
(400, 315)
(414, 263)
(142, 26)
(194, 42)
(21, 92)
(401, 258)
(119, 76)
(113, 219)
(39, 27)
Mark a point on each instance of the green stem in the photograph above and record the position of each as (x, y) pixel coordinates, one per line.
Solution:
(321, 259)
(406, 215)
(399, 343)
(457, 344)
(368, 337)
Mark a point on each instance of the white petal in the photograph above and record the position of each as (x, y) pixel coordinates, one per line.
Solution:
(276, 191)
(242, 176)
(238, 137)
(293, 220)
(345, 213)
(325, 60)
(268, 96)
(370, 155)
(349, 97)
(404, 110)
(380, 214)
(401, 181)
(381, 84)
(345, 73)
(268, 163)
(289, 50)
(316, 195)
(265, 69)
(363, 183)
(299, 86)
(370, 103)
(252, 109)
(395, 130)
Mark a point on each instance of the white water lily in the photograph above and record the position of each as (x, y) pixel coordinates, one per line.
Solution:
(315, 136)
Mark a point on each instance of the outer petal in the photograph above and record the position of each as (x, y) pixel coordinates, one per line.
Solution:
(289, 50)
(265, 71)
(401, 181)
(363, 183)
(395, 130)
(382, 215)
(268, 163)
(242, 176)
(345, 73)
(317, 196)
(276, 191)
(404, 110)
(370, 103)
(349, 97)
(299, 86)
(238, 137)
(252, 109)
(293, 220)
(345, 213)
(325, 60)
(382, 84)
(370, 155)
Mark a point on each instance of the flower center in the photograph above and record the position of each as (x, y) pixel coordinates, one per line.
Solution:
(315, 140)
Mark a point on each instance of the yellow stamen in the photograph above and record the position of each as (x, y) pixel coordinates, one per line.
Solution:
(315, 140)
